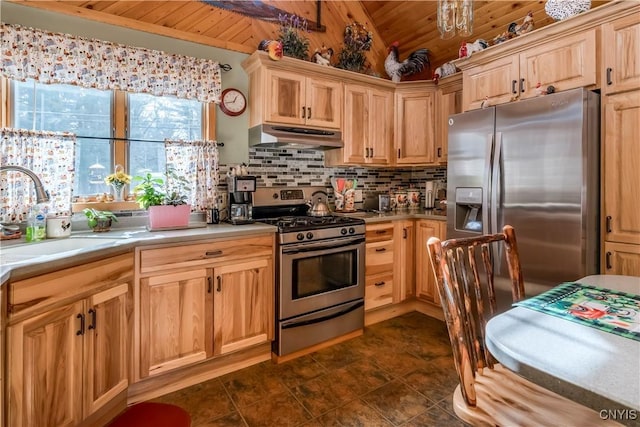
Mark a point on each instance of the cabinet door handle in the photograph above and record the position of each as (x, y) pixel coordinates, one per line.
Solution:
(404, 233)
(304, 112)
(608, 223)
(381, 249)
(81, 330)
(381, 231)
(608, 260)
(513, 86)
(398, 153)
(522, 85)
(439, 152)
(93, 314)
(212, 254)
(209, 285)
(609, 81)
(379, 283)
(371, 153)
(219, 280)
(308, 112)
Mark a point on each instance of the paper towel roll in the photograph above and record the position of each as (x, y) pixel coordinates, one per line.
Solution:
(429, 195)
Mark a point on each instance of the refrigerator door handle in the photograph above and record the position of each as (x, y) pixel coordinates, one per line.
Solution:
(495, 194)
(486, 226)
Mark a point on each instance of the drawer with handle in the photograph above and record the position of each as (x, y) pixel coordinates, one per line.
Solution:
(378, 290)
(213, 252)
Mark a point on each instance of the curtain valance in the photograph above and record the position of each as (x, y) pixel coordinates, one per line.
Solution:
(48, 57)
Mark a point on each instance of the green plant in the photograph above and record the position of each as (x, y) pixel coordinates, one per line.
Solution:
(357, 40)
(94, 215)
(294, 45)
(153, 191)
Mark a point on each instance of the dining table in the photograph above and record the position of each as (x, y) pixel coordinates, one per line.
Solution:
(591, 365)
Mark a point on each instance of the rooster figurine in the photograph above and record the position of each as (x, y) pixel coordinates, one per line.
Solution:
(413, 64)
(526, 26)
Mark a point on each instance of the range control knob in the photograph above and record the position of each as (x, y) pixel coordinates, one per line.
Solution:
(309, 235)
(343, 231)
(352, 230)
(300, 236)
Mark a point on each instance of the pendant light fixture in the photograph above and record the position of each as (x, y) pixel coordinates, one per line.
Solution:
(455, 17)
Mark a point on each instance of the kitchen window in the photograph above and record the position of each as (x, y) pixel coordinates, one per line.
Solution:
(112, 127)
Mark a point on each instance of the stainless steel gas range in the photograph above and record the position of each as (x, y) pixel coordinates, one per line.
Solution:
(320, 268)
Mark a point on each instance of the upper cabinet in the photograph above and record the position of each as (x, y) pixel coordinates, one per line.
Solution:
(566, 63)
(367, 128)
(448, 102)
(282, 92)
(295, 99)
(415, 123)
(620, 65)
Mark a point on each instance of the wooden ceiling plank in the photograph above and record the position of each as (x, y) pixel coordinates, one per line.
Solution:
(187, 13)
(161, 11)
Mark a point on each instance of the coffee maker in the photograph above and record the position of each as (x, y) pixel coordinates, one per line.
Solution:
(241, 189)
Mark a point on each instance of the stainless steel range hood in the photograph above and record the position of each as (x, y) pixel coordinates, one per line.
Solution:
(289, 136)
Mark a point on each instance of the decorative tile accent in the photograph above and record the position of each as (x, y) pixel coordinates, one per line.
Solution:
(276, 167)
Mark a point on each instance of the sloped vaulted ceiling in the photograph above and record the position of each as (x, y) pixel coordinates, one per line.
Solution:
(411, 23)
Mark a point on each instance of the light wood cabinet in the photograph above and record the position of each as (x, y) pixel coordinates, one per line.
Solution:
(67, 337)
(414, 140)
(620, 67)
(404, 253)
(566, 63)
(425, 280)
(620, 184)
(175, 320)
(621, 161)
(368, 127)
(379, 268)
(243, 305)
(297, 99)
(448, 102)
(203, 300)
(622, 258)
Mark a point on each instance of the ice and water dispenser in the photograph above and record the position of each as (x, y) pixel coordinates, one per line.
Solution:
(468, 209)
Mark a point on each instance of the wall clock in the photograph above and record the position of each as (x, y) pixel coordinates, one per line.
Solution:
(233, 102)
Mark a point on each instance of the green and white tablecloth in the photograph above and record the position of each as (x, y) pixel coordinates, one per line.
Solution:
(605, 309)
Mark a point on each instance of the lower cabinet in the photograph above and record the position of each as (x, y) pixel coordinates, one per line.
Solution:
(243, 312)
(175, 320)
(203, 300)
(425, 280)
(622, 258)
(67, 360)
(404, 253)
(379, 268)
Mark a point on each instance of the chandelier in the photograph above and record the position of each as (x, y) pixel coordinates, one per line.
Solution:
(455, 16)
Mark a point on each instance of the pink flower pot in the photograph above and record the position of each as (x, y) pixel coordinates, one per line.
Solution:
(169, 216)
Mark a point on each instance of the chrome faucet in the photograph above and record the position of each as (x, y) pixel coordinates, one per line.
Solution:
(41, 194)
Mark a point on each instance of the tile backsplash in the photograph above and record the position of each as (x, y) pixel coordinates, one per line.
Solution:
(277, 167)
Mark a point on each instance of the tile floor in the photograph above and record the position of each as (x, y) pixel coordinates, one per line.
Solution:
(399, 373)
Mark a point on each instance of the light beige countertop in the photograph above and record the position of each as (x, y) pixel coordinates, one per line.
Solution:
(372, 217)
(19, 260)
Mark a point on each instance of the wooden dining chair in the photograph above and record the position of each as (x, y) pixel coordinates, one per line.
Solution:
(489, 394)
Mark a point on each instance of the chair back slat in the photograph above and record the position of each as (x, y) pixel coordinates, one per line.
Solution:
(466, 297)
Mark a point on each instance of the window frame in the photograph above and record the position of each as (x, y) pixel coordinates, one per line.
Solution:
(119, 120)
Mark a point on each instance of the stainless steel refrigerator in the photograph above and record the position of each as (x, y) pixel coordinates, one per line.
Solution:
(533, 164)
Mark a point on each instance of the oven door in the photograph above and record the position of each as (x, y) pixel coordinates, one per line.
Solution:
(318, 275)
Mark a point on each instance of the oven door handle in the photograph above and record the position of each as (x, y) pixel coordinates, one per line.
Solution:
(295, 324)
(320, 247)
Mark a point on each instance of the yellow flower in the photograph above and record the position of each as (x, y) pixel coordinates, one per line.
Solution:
(118, 178)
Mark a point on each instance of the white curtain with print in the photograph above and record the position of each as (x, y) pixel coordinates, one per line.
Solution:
(197, 161)
(48, 57)
(50, 155)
